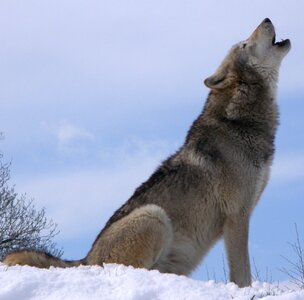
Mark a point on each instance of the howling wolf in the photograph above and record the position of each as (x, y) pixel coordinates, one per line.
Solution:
(210, 186)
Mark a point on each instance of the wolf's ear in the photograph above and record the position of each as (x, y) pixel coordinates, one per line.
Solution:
(219, 80)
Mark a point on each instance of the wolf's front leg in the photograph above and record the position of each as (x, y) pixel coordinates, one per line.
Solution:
(236, 242)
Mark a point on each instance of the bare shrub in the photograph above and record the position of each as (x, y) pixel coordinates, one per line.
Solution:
(21, 225)
(296, 266)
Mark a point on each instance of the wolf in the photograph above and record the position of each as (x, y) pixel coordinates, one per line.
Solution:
(207, 189)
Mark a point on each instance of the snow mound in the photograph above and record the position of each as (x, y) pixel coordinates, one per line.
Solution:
(120, 282)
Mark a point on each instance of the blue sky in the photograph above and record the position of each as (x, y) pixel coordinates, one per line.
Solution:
(95, 94)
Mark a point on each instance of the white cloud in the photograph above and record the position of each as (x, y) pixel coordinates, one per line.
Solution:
(69, 138)
(288, 168)
(67, 132)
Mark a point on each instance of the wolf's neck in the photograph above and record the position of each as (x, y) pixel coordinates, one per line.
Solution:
(271, 77)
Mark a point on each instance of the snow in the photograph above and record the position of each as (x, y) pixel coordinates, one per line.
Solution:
(120, 282)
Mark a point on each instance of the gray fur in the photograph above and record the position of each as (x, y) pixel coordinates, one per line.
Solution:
(210, 186)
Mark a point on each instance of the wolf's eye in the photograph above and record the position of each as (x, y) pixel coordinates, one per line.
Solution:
(244, 45)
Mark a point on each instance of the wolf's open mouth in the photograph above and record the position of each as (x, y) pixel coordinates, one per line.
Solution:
(281, 43)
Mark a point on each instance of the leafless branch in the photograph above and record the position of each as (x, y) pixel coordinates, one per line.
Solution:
(296, 267)
(21, 225)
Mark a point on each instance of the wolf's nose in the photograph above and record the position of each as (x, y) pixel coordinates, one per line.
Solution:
(267, 20)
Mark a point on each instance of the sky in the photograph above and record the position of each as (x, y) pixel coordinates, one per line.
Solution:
(95, 94)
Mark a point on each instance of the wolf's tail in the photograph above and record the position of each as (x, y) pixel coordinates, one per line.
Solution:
(38, 259)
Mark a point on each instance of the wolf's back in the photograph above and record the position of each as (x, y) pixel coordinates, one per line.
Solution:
(38, 259)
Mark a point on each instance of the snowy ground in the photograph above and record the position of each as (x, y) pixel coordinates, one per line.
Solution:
(120, 282)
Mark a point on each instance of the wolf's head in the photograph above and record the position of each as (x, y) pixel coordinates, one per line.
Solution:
(257, 57)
